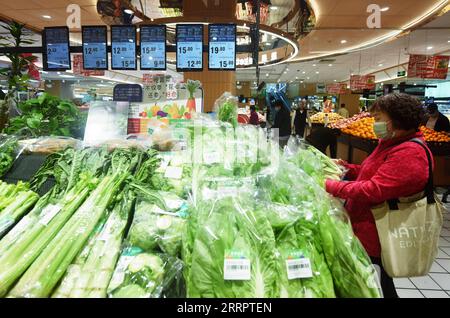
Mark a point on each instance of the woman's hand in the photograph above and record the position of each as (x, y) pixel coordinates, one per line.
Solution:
(340, 162)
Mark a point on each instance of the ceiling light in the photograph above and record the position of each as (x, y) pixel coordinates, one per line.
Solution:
(343, 41)
(314, 65)
(307, 78)
(303, 72)
(330, 65)
(301, 82)
(415, 84)
(429, 48)
(128, 11)
(267, 75)
(385, 9)
(287, 70)
(335, 80)
(48, 17)
(448, 41)
(296, 77)
(274, 7)
(317, 72)
(380, 65)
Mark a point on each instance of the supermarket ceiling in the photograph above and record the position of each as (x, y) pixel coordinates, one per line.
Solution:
(339, 35)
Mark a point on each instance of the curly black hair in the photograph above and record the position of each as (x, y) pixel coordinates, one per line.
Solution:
(406, 111)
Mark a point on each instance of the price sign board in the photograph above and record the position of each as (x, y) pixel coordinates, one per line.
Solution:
(57, 53)
(123, 47)
(153, 47)
(222, 47)
(189, 47)
(95, 41)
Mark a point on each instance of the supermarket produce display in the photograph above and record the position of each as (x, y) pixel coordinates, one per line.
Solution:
(322, 118)
(233, 219)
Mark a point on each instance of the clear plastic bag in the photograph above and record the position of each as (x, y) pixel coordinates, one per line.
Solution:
(226, 107)
(144, 275)
(158, 223)
(49, 145)
(10, 150)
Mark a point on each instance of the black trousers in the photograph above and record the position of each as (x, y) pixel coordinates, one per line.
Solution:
(387, 283)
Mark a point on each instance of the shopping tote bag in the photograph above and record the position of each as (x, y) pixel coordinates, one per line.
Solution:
(409, 230)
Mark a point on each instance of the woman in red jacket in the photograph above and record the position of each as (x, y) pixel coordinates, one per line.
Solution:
(397, 168)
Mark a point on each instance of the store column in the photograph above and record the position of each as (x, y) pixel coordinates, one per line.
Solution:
(215, 83)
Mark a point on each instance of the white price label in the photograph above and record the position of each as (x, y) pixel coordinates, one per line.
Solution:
(237, 269)
(49, 213)
(299, 268)
(211, 158)
(174, 172)
(227, 191)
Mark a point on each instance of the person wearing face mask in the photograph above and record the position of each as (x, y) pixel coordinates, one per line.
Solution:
(397, 168)
(437, 121)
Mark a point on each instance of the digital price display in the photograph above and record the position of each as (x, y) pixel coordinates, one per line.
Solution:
(57, 53)
(222, 47)
(153, 47)
(123, 47)
(189, 47)
(95, 53)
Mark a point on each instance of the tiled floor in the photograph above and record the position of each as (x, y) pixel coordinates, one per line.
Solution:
(437, 283)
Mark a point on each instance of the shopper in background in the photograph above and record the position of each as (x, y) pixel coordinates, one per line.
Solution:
(301, 116)
(437, 120)
(343, 111)
(397, 168)
(282, 123)
(254, 118)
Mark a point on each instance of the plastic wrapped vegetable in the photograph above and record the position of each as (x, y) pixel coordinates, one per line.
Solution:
(9, 151)
(226, 108)
(353, 273)
(234, 253)
(142, 275)
(156, 226)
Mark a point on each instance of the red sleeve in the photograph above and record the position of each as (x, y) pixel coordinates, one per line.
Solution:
(404, 173)
(353, 171)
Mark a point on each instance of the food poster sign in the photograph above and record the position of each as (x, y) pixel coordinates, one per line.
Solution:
(424, 66)
(337, 89)
(165, 102)
(358, 83)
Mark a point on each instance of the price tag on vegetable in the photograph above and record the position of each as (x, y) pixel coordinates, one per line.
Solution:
(298, 266)
(49, 212)
(174, 172)
(236, 267)
(210, 158)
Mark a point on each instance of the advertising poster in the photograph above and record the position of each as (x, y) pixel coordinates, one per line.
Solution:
(424, 66)
(361, 82)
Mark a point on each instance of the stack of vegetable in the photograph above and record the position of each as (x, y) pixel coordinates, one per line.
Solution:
(47, 116)
(15, 201)
(235, 218)
(8, 146)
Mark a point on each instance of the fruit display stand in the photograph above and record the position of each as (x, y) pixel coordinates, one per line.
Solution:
(356, 150)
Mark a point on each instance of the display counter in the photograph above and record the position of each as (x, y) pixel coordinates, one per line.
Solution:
(356, 150)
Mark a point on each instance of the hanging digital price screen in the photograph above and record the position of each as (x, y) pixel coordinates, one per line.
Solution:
(57, 53)
(123, 47)
(222, 47)
(153, 47)
(189, 47)
(95, 41)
